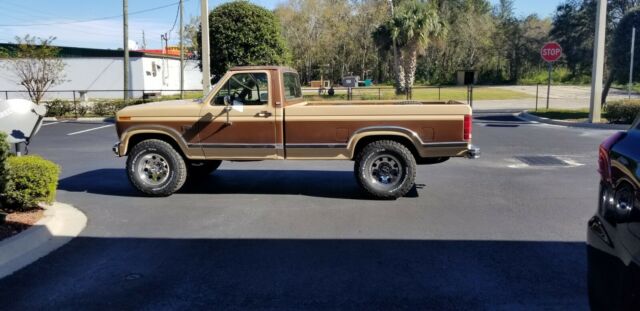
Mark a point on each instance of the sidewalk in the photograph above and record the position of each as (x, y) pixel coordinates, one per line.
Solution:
(60, 224)
(530, 104)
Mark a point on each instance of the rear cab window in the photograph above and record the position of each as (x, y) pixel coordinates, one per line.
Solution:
(292, 88)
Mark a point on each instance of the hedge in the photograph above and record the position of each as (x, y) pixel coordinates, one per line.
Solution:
(4, 154)
(101, 108)
(32, 180)
(624, 112)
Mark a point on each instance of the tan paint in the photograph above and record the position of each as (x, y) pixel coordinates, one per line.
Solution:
(246, 126)
(190, 153)
(339, 125)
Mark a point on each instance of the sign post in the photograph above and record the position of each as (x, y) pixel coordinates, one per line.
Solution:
(633, 45)
(550, 53)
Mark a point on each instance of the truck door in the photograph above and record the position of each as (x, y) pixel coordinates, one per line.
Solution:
(243, 125)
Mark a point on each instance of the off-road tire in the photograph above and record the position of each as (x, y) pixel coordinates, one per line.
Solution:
(177, 169)
(201, 169)
(395, 153)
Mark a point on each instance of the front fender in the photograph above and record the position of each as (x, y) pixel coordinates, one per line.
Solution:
(165, 132)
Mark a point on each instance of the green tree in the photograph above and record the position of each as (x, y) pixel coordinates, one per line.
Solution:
(573, 28)
(36, 64)
(332, 37)
(619, 52)
(244, 34)
(414, 26)
(468, 45)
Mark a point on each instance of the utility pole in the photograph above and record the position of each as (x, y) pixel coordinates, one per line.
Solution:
(125, 26)
(206, 67)
(598, 63)
(164, 39)
(144, 41)
(181, 55)
(633, 49)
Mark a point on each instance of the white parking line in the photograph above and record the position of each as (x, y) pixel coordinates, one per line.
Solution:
(89, 130)
(51, 123)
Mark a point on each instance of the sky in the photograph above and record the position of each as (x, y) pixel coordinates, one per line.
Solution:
(100, 23)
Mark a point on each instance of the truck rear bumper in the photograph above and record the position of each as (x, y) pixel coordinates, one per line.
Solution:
(473, 152)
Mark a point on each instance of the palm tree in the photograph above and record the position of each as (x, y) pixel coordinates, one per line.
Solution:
(413, 27)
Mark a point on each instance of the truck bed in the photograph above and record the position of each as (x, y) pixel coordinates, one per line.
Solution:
(330, 127)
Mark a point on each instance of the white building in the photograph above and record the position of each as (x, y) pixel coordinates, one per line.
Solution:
(97, 73)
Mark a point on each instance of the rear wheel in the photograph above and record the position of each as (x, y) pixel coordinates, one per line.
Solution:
(385, 169)
(156, 168)
(200, 169)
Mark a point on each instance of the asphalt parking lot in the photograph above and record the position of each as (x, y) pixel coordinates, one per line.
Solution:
(493, 233)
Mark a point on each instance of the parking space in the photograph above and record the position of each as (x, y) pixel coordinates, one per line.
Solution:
(489, 233)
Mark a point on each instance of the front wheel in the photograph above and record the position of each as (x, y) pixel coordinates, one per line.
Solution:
(156, 168)
(385, 169)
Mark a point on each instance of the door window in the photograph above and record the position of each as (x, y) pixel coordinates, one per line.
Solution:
(245, 89)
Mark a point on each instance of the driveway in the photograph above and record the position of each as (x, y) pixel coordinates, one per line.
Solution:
(493, 233)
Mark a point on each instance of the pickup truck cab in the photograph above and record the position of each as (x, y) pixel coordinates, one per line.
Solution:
(258, 113)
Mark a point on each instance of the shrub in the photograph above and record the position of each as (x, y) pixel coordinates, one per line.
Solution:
(4, 154)
(32, 180)
(108, 108)
(103, 108)
(58, 108)
(81, 110)
(624, 112)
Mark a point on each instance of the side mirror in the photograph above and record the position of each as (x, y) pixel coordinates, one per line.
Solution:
(227, 100)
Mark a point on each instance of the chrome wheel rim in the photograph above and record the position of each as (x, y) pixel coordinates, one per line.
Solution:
(386, 171)
(153, 169)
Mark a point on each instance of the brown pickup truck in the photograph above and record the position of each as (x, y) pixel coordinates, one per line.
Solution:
(258, 113)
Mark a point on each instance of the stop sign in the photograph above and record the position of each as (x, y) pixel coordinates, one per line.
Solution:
(551, 52)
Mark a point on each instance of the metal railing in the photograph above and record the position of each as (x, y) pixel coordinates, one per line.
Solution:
(89, 95)
(81, 101)
(422, 93)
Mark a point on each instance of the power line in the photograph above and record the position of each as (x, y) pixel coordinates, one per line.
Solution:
(93, 19)
(174, 23)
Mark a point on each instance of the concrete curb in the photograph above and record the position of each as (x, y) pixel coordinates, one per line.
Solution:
(529, 117)
(51, 119)
(60, 224)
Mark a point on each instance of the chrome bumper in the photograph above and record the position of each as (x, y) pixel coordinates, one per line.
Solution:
(473, 152)
(116, 149)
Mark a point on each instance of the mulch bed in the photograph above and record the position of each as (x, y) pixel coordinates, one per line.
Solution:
(16, 222)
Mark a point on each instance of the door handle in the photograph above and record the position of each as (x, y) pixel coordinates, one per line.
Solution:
(263, 114)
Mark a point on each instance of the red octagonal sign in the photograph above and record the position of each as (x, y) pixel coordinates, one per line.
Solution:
(551, 52)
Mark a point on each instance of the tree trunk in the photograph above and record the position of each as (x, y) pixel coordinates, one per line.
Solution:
(607, 87)
(399, 73)
(410, 62)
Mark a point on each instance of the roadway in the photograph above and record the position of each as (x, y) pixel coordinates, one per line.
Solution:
(492, 233)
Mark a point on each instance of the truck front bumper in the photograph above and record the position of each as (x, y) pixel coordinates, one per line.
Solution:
(116, 149)
(473, 152)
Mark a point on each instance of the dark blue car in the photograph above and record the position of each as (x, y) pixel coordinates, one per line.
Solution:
(613, 236)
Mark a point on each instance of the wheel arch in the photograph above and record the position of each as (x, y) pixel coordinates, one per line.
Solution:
(358, 143)
(131, 138)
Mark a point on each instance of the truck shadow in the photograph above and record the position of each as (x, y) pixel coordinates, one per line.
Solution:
(196, 274)
(324, 184)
